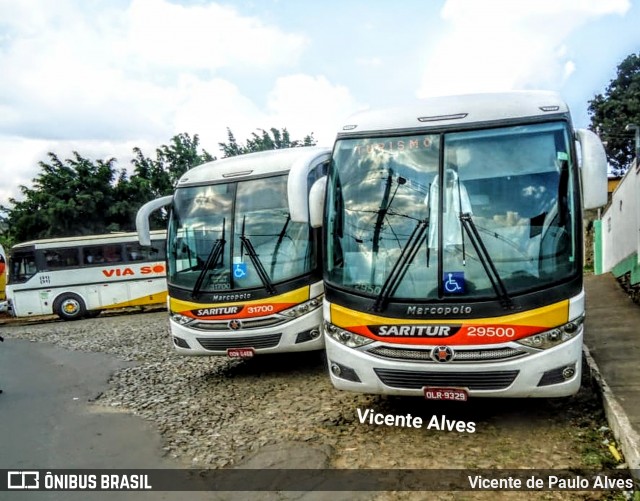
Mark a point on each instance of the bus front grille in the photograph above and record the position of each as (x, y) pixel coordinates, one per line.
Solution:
(257, 342)
(475, 355)
(256, 323)
(414, 380)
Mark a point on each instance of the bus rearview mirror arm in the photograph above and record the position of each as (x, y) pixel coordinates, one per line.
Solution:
(142, 217)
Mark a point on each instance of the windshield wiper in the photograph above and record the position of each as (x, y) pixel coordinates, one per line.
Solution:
(255, 259)
(383, 210)
(214, 256)
(485, 259)
(281, 235)
(400, 267)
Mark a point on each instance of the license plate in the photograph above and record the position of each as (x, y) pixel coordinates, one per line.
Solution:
(441, 393)
(240, 352)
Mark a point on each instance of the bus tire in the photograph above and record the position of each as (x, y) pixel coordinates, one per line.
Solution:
(69, 306)
(92, 313)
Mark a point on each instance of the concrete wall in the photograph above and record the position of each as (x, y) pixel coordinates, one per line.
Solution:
(620, 227)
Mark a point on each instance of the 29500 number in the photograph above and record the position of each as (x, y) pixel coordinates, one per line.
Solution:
(482, 331)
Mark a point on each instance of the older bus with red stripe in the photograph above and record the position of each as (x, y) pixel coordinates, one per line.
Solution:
(453, 247)
(243, 276)
(78, 277)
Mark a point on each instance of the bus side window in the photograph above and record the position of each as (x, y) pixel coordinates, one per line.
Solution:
(61, 258)
(93, 255)
(135, 252)
(112, 253)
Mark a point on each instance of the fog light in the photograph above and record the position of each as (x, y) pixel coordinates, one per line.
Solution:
(569, 372)
(178, 341)
(558, 375)
(314, 333)
(343, 372)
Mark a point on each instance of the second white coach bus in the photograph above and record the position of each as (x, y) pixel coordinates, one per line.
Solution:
(453, 247)
(78, 277)
(243, 269)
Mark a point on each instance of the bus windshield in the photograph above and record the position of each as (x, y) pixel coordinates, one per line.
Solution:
(22, 266)
(236, 235)
(503, 222)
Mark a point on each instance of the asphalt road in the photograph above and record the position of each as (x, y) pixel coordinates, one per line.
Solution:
(46, 420)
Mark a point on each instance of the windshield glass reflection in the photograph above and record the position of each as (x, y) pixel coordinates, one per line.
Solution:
(513, 188)
(236, 236)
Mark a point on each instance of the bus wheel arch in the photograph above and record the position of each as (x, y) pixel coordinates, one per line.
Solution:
(69, 306)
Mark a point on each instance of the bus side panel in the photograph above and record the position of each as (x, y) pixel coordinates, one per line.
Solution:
(149, 291)
(92, 297)
(26, 304)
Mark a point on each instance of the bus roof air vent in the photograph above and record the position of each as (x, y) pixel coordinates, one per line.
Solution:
(439, 118)
(237, 174)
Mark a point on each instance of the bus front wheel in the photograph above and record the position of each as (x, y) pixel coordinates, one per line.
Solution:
(69, 307)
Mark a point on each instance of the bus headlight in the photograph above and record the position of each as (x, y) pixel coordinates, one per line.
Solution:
(180, 319)
(303, 308)
(346, 338)
(553, 337)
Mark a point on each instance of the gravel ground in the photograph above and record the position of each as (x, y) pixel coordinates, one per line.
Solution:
(215, 412)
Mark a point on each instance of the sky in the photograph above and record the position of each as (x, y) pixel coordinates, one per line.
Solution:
(101, 77)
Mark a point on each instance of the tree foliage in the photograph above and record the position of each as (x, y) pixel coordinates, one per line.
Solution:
(618, 107)
(70, 197)
(80, 196)
(153, 178)
(273, 139)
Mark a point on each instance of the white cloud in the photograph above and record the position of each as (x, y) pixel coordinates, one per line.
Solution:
(208, 107)
(501, 44)
(20, 157)
(208, 36)
(369, 62)
(102, 77)
(305, 104)
(109, 72)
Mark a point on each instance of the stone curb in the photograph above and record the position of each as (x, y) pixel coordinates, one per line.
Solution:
(627, 437)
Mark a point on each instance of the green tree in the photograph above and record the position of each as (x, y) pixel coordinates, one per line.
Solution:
(153, 178)
(78, 196)
(71, 197)
(273, 139)
(612, 111)
(157, 177)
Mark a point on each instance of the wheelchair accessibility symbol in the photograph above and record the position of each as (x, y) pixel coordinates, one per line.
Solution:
(453, 282)
(239, 270)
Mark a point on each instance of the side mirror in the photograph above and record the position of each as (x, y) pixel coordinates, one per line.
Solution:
(316, 202)
(142, 217)
(298, 182)
(593, 170)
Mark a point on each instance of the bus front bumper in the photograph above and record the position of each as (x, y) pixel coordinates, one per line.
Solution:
(555, 372)
(296, 335)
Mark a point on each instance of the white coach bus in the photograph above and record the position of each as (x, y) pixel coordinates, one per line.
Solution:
(453, 247)
(243, 270)
(79, 277)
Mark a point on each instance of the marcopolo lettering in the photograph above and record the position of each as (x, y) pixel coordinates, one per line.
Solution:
(232, 297)
(217, 311)
(414, 330)
(439, 310)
